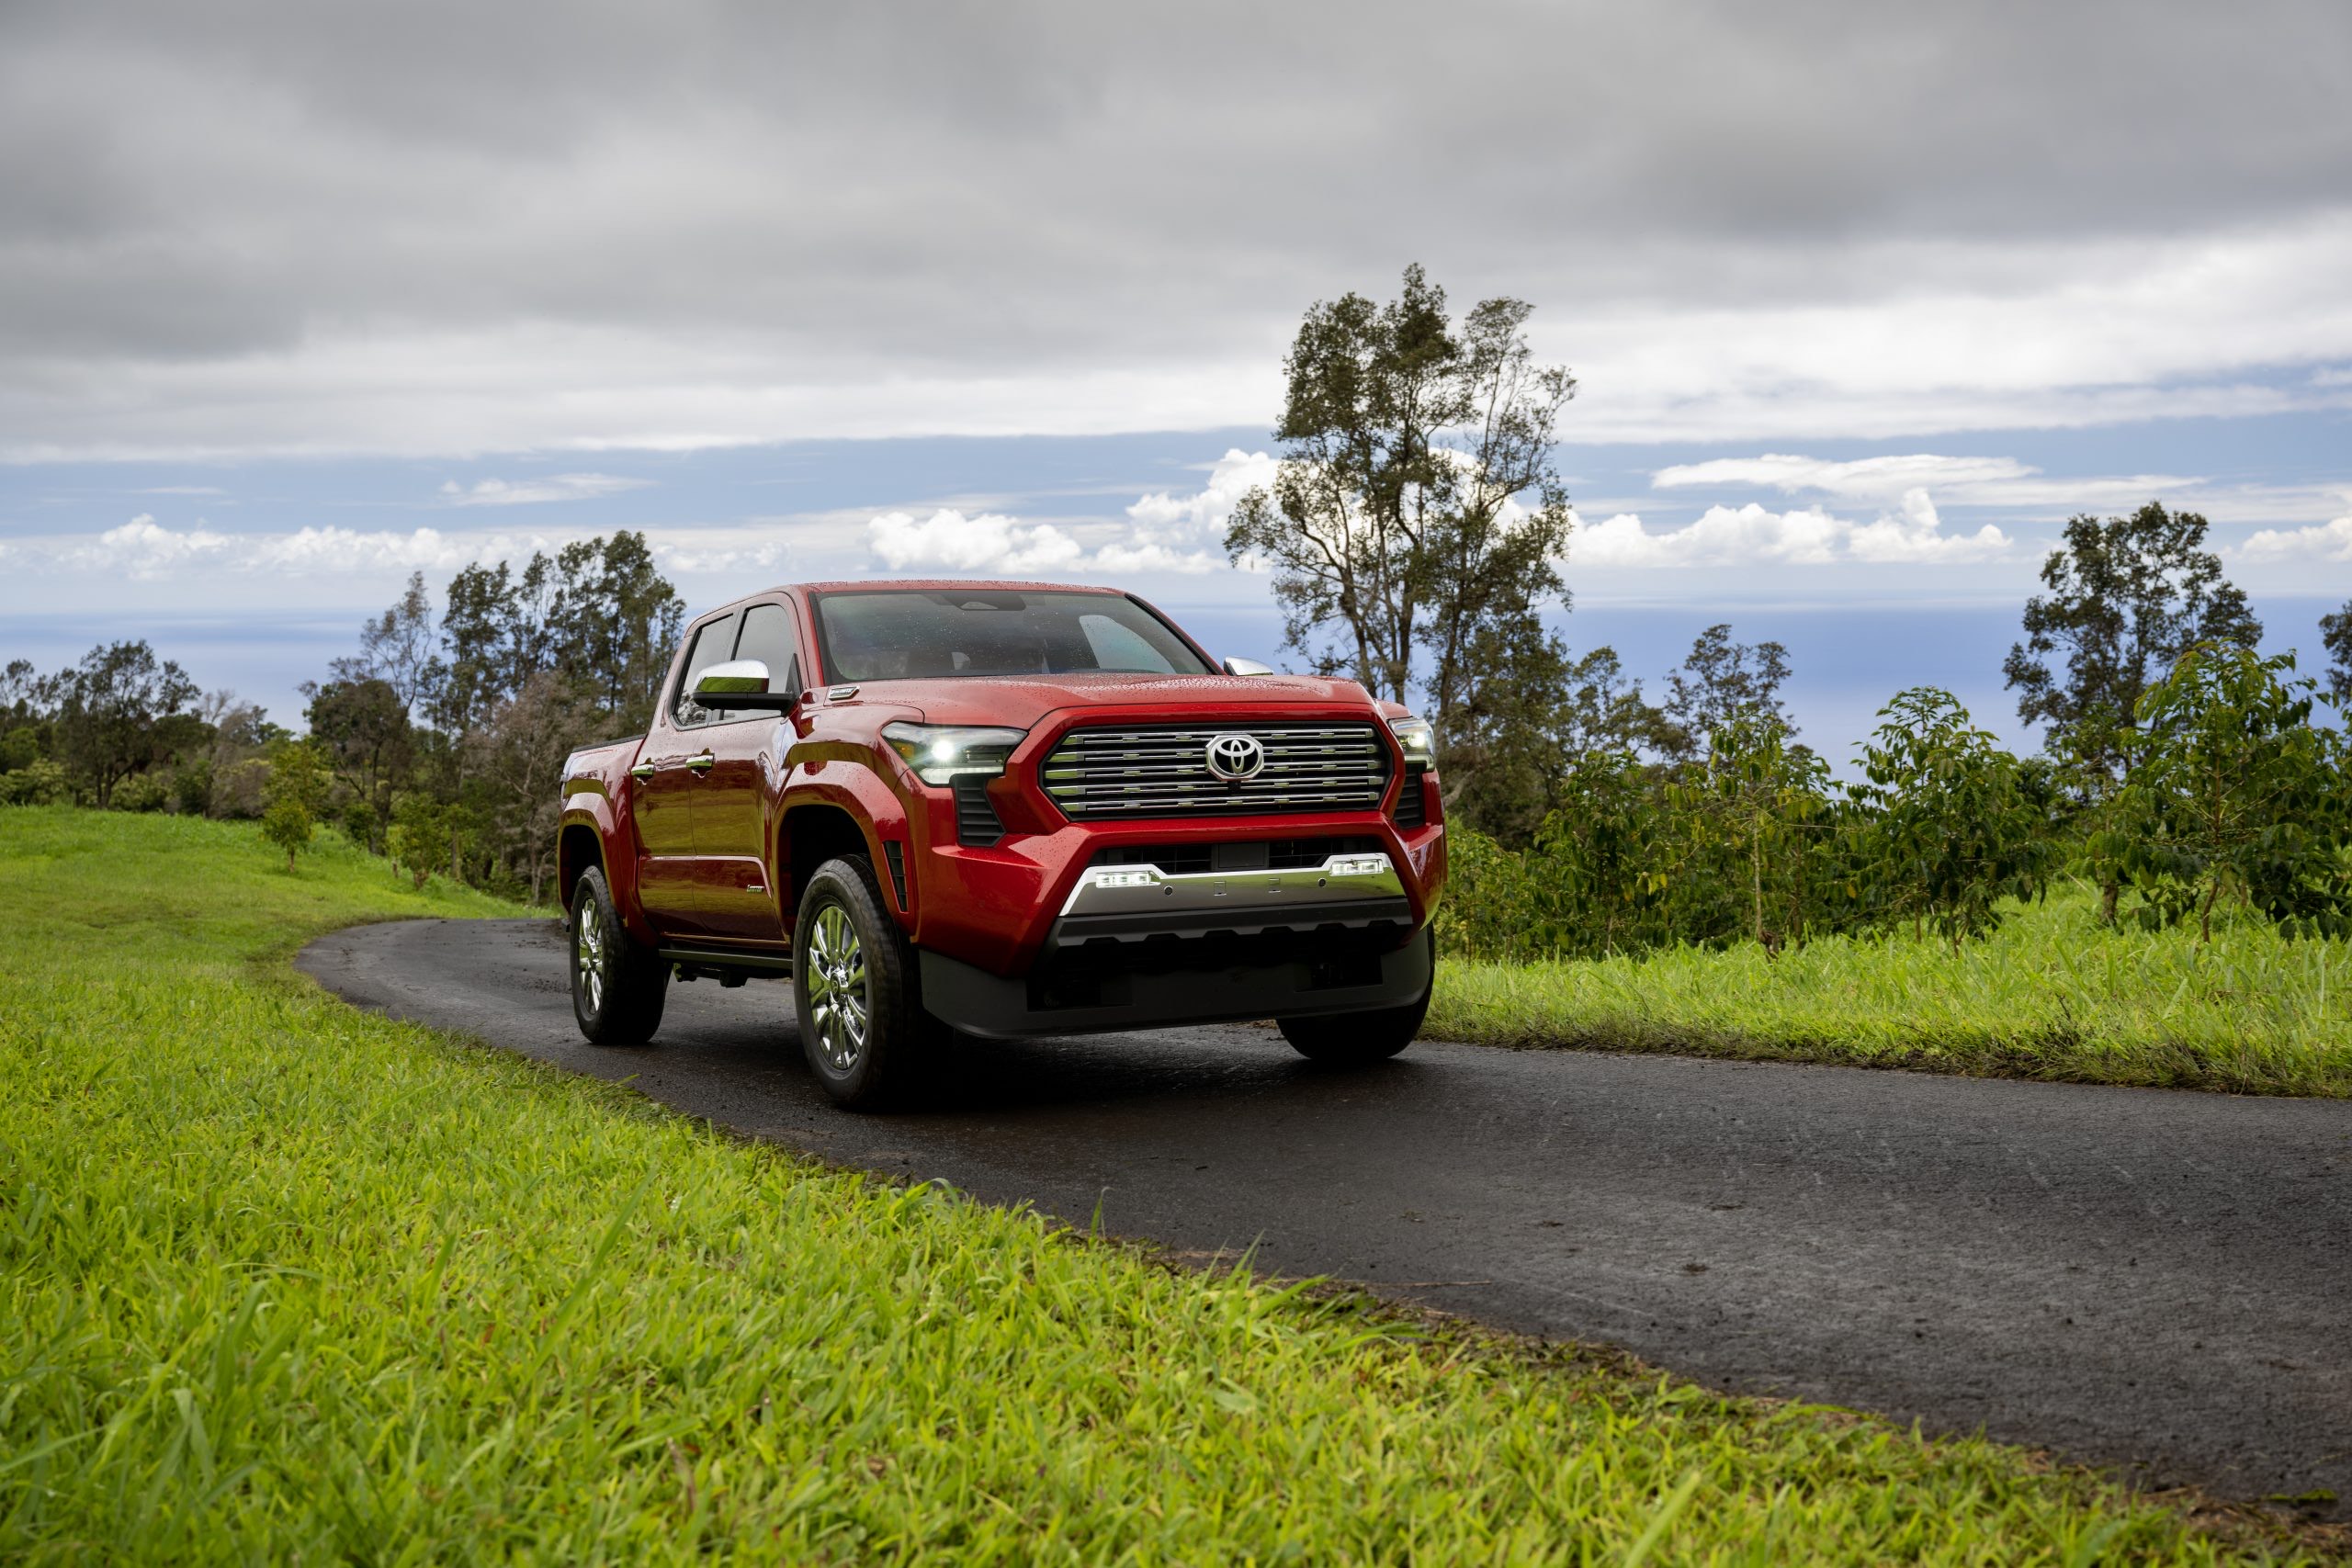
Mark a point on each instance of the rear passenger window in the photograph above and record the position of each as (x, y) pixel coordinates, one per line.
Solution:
(712, 645)
(767, 636)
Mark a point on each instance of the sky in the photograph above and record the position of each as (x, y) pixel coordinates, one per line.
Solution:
(1862, 301)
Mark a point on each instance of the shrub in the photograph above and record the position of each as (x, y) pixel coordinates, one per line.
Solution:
(2233, 790)
(40, 782)
(141, 792)
(297, 788)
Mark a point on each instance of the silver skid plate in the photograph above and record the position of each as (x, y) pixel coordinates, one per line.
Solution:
(1147, 889)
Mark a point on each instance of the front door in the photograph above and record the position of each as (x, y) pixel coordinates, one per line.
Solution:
(739, 896)
(742, 896)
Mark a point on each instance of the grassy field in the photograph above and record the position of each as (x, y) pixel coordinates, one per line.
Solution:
(282, 1282)
(2052, 995)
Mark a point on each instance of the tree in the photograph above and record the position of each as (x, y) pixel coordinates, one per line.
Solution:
(1522, 729)
(2336, 635)
(122, 710)
(518, 760)
(1416, 507)
(1951, 830)
(2125, 599)
(1721, 682)
(291, 799)
(613, 622)
(397, 648)
(599, 612)
(1764, 801)
(2233, 790)
(424, 836)
(362, 728)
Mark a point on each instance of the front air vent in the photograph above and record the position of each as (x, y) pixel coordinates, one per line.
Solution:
(975, 820)
(1124, 774)
(1412, 804)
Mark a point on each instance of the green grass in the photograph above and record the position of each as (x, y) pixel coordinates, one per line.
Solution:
(2052, 995)
(282, 1282)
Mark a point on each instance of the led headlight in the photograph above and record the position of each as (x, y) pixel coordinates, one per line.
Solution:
(938, 752)
(1418, 740)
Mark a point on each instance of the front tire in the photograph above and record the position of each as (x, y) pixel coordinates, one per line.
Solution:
(1358, 1039)
(854, 991)
(617, 983)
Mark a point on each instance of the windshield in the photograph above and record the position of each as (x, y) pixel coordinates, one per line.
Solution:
(901, 633)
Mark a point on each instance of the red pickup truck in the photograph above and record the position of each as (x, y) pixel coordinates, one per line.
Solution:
(1003, 808)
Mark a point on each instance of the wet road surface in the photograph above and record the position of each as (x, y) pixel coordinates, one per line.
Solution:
(2158, 1283)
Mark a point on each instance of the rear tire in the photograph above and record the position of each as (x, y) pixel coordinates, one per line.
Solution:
(617, 983)
(1357, 1038)
(854, 990)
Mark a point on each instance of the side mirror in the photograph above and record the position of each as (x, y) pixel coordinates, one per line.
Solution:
(742, 684)
(1247, 667)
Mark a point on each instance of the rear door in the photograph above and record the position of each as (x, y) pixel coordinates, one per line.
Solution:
(734, 829)
(667, 778)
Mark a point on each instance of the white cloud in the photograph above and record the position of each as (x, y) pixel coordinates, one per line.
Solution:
(533, 492)
(708, 560)
(1186, 534)
(145, 548)
(1972, 481)
(1753, 535)
(309, 550)
(1206, 513)
(2326, 541)
(952, 541)
(1164, 532)
(1870, 478)
(1914, 534)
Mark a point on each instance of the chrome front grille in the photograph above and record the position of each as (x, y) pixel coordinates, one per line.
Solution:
(1096, 775)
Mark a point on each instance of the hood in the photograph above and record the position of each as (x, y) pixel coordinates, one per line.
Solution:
(1022, 701)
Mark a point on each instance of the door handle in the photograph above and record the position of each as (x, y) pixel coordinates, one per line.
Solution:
(643, 771)
(702, 763)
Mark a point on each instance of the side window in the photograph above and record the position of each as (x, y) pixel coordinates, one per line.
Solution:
(1118, 648)
(712, 645)
(767, 636)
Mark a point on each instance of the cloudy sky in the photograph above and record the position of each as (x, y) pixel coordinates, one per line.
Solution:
(1863, 301)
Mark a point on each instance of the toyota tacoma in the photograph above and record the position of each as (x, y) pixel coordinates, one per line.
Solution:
(1002, 809)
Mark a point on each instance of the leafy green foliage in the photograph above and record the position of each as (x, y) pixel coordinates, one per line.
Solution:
(2233, 792)
(119, 711)
(1949, 831)
(281, 1280)
(2125, 599)
(42, 782)
(1415, 524)
(1765, 801)
(426, 835)
(2336, 635)
(291, 799)
(2050, 993)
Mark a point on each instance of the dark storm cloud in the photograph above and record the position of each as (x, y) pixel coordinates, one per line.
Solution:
(862, 191)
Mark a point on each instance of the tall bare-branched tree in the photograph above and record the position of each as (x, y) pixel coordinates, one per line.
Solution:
(1416, 512)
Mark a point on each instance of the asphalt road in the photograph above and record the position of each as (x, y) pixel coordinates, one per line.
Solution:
(2156, 1283)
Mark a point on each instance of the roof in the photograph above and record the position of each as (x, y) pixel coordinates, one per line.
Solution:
(936, 585)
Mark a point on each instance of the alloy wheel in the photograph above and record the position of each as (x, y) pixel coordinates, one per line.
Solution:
(590, 955)
(839, 1003)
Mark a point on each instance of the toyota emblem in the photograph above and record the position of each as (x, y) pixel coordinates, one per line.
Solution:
(1234, 757)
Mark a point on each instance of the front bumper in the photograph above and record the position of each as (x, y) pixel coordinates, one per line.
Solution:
(1083, 999)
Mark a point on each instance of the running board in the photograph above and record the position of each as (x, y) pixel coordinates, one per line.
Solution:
(692, 960)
